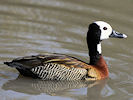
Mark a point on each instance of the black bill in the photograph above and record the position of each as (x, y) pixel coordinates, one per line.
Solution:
(117, 35)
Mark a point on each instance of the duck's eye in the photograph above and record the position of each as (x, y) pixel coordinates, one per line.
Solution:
(105, 28)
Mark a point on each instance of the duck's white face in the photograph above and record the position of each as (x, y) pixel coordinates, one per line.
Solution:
(106, 29)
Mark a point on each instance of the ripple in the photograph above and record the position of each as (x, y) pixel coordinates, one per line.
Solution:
(60, 26)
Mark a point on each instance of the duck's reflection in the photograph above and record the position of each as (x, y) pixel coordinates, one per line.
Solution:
(58, 88)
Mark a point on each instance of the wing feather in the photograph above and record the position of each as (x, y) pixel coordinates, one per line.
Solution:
(53, 66)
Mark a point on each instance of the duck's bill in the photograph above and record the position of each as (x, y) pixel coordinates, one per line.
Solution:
(117, 35)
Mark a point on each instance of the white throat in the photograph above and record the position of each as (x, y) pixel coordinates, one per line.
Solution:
(99, 48)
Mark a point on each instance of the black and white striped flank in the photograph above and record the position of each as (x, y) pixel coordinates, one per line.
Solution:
(53, 71)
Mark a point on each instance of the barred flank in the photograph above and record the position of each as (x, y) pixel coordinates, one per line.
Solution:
(52, 71)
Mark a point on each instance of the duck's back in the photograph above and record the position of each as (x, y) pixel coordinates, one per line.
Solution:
(50, 67)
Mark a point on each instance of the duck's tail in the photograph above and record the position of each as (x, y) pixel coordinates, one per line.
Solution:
(21, 68)
(13, 64)
(8, 63)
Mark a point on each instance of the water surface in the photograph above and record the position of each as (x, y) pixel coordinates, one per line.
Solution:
(30, 27)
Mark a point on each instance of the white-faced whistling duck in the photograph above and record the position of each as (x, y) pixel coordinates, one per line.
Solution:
(63, 67)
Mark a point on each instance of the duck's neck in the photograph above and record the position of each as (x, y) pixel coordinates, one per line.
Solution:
(97, 60)
(94, 53)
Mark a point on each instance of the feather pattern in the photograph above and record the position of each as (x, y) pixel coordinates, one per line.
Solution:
(52, 71)
(53, 67)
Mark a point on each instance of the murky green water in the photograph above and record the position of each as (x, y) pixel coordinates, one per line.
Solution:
(30, 27)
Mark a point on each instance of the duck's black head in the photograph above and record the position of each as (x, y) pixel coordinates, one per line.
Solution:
(93, 34)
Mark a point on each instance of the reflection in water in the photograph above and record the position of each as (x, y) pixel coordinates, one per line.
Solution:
(56, 88)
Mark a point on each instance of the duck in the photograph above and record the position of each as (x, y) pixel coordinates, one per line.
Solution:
(55, 66)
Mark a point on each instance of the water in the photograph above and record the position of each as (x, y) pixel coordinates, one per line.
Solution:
(30, 27)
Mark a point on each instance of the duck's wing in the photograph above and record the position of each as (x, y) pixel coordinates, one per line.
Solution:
(50, 66)
(39, 60)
